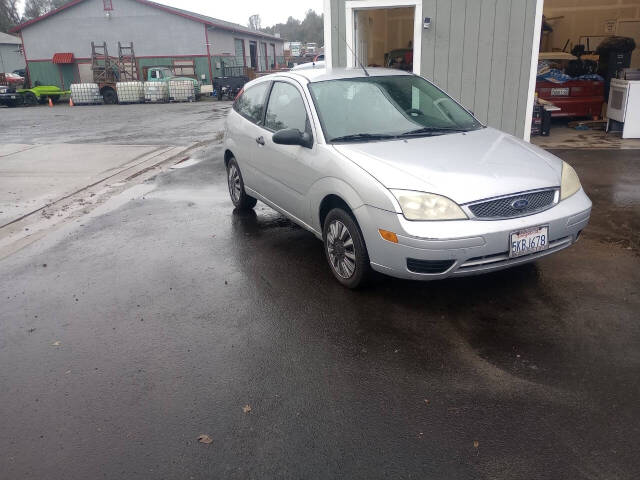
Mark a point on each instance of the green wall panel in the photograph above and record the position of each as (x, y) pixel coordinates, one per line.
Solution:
(46, 73)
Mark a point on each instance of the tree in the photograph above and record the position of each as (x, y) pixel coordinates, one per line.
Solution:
(8, 14)
(311, 29)
(36, 8)
(254, 22)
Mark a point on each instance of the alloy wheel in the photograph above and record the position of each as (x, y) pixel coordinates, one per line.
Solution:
(341, 250)
(235, 188)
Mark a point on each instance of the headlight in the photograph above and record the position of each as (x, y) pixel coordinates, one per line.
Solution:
(427, 206)
(570, 181)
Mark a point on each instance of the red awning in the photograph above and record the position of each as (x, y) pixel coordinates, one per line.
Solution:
(63, 58)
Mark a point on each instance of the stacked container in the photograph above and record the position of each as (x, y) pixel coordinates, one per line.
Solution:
(183, 91)
(85, 93)
(130, 92)
(156, 92)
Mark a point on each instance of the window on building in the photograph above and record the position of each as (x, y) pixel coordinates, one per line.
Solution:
(239, 48)
(108, 6)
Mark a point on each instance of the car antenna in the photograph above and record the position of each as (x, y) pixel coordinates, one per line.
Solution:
(356, 57)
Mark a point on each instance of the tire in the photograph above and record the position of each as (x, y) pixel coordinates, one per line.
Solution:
(30, 99)
(345, 249)
(109, 96)
(239, 197)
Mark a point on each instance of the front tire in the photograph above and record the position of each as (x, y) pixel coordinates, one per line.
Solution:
(30, 99)
(345, 249)
(239, 197)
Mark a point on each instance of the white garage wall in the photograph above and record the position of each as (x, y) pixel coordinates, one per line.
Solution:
(480, 51)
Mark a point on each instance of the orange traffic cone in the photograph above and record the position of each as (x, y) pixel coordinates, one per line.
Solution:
(50, 102)
(70, 102)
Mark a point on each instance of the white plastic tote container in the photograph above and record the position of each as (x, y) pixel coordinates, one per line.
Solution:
(183, 91)
(130, 92)
(156, 92)
(85, 93)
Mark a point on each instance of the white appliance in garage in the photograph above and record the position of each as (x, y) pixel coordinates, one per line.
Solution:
(624, 106)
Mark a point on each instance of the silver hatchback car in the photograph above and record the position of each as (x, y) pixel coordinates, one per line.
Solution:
(393, 175)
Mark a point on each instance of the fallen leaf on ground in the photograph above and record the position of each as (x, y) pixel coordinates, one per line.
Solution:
(56, 344)
(246, 409)
(204, 438)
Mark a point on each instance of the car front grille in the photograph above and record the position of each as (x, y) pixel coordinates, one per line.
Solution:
(517, 205)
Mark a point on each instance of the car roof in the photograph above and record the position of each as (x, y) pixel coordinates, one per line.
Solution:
(321, 74)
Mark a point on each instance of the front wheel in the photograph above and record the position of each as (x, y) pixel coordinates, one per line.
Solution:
(239, 197)
(30, 99)
(345, 249)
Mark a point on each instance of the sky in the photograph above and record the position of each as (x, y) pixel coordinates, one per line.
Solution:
(239, 11)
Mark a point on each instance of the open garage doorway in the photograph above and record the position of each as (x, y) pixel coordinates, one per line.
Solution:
(385, 33)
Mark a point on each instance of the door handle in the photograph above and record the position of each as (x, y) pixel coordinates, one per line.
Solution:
(260, 140)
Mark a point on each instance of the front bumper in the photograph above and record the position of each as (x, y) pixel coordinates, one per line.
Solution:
(464, 247)
(11, 99)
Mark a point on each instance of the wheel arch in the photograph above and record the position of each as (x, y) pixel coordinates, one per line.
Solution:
(228, 155)
(328, 203)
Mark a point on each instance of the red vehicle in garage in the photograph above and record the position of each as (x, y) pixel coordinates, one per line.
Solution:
(575, 98)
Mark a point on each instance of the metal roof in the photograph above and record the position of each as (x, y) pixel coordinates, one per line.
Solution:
(196, 17)
(10, 39)
(63, 58)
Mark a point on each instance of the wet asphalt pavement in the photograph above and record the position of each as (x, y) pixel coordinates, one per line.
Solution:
(127, 335)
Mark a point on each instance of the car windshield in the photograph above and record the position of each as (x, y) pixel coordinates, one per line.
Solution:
(386, 107)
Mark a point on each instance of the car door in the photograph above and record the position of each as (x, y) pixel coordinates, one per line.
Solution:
(245, 128)
(288, 169)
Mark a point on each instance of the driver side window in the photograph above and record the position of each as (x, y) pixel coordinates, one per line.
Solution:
(286, 108)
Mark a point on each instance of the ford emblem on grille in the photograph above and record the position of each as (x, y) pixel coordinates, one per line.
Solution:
(520, 203)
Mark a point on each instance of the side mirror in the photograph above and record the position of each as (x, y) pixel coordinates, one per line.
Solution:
(293, 136)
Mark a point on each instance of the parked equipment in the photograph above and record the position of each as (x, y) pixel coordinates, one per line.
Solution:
(42, 94)
(233, 79)
(130, 92)
(85, 94)
(185, 89)
(156, 92)
(107, 71)
(181, 90)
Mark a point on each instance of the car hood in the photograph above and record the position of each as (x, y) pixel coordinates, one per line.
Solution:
(464, 166)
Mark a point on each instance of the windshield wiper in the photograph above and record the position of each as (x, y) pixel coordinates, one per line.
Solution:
(363, 136)
(433, 131)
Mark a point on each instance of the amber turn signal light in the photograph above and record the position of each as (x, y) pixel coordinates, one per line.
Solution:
(388, 236)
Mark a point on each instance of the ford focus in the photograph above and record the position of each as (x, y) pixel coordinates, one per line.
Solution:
(395, 176)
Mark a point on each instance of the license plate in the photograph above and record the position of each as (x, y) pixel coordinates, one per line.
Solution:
(528, 241)
(13, 97)
(560, 92)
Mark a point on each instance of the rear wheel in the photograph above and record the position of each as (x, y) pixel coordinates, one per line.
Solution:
(345, 249)
(239, 197)
(109, 96)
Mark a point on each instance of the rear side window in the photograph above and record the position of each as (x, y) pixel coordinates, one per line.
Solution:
(251, 103)
(286, 108)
